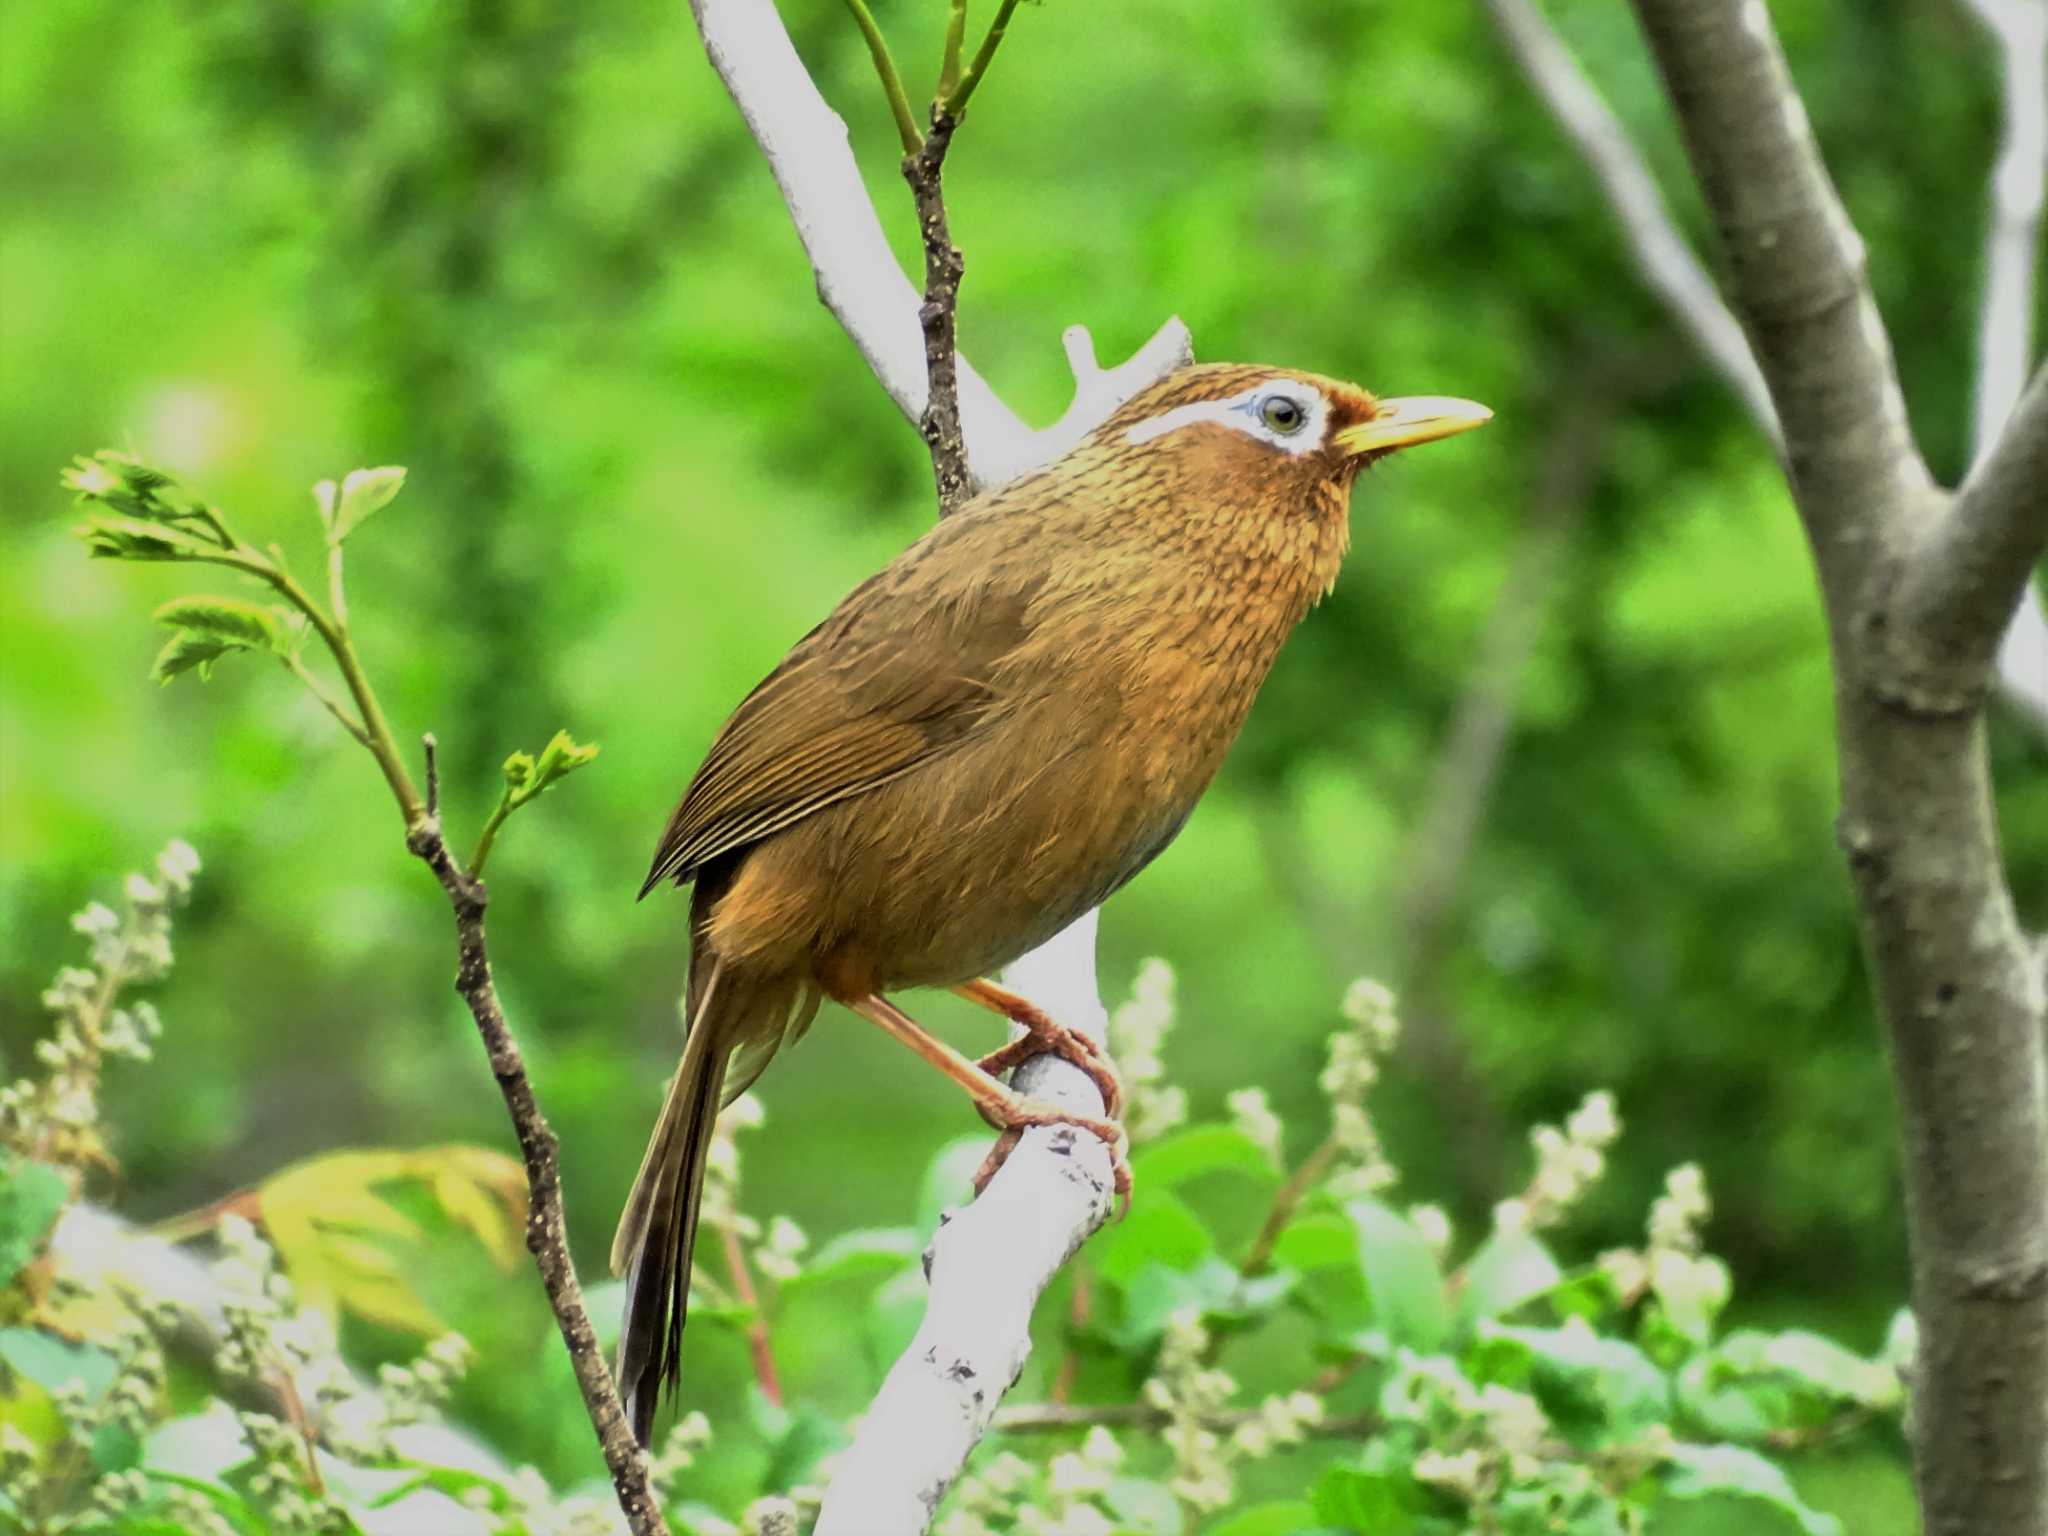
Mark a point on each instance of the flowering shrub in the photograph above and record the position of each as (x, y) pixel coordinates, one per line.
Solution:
(1332, 1344)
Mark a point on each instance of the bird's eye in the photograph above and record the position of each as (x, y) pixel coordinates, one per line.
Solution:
(1283, 415)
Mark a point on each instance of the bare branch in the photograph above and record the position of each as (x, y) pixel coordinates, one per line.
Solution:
(1671, 271)
(2005, 314)
(1972, 567)
(938, 317)
(1797, 267)
(547, 1233)
(1669, 267)
(2019, 186)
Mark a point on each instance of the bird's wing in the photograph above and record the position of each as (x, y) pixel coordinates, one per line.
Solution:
(908, 665)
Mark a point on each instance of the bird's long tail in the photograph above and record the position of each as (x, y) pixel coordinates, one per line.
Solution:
(659, 1228)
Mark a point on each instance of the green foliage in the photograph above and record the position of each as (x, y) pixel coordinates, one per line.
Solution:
(501, 245)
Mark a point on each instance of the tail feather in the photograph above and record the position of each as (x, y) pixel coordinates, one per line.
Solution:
(659, 1228)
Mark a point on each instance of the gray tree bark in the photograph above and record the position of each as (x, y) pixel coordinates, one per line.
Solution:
(1918, 585)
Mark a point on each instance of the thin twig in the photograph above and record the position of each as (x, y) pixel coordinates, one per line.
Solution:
(940, 423)
(760, 1344)
(885, 67)
(1286, 1201)
(547, 1237)
(953, 99)
(430, 748)
(328, 701)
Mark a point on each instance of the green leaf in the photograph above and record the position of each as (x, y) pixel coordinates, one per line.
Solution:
(1603, 1388)
(131, 538)
(31, 1196)
(1382, 1499)
(188, 650)
(1322, 1251)
(1293, 1518)
(53, 1363)
(115, 1448)
(871, 1252)
(1402, 1277)
(519, 773)
(1200, 1150)
(1730, 1480)
(1508, 1270)
(225, 618)
(363, 492)
(558, 759)
(1161, 1230)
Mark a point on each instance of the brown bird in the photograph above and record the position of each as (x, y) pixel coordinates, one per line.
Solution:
(983, 741)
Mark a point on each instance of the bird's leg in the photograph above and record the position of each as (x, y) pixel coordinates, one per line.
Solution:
(1001, 1105)
(1045, 1035)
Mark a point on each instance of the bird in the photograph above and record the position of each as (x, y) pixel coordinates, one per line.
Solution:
(983, 741)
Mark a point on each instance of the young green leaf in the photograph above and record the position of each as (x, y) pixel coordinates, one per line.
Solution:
(326, 496)
(558, 759)
(363, 492)
(230, 619)
(190, 650)
(132, 538)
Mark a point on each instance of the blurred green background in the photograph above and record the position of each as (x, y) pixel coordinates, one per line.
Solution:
(529, 251)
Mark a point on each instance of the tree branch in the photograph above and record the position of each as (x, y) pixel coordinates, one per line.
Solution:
(1796, 265)
(1668, 265)
(1671, 271)
(804, 142)
(2019, 186)
(1956, 982)
(1972, 567)
(547, 1235)
(938, 317)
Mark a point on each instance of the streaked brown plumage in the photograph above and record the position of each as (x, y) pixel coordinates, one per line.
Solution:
(985, 740)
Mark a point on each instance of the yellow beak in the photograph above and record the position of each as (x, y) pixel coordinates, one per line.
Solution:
(1416, 419)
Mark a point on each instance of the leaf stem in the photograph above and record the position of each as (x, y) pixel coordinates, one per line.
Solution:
(328, 701)
(376, 735)
(506, 805)
(955, 104)
(892, 83)
(1286, 1200)
(956, 34)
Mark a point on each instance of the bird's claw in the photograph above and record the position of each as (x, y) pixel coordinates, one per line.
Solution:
(1015, 1117)
(1047, 1038)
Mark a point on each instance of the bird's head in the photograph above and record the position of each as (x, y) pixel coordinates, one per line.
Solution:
(1249, 432)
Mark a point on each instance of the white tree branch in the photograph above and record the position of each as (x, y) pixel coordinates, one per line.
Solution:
(989, 1262)
(988, 1265)
(1668, 264)
(805, 144)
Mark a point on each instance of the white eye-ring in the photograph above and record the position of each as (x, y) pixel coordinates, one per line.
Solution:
(1284, 413)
